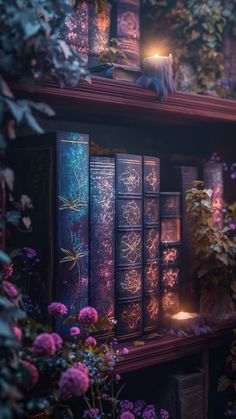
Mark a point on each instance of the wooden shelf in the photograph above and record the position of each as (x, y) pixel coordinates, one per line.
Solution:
(113, 101)
(164, 349)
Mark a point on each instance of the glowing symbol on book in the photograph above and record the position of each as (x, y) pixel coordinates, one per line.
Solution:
(153, 179)
(152, 307)
(131, 315)
(131, 213)
(170, 277)
(152, 243)
(152, 275)
(130, 178)
(72, 204)
(152, 211)
(170, 255)
(131, 281)
(130, 247)
(73, 256)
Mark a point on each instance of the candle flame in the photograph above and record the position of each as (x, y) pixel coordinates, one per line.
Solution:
(183, 315)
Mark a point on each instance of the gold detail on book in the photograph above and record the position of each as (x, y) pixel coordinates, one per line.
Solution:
(152, 243)
(73, 256)
(131, 281)
(152, 211)
(130, 178)
(131, 315)
(152, 307)
(131, 213)
(153, 179)
(130, 247)
(72, 204)
(152, 275)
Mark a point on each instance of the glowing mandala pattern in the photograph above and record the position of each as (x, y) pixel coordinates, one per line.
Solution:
(152, 275)
(131, 213)
(152, 211)
(153, 307)
(153, 179)
(152, 243)
(131, 315)
(170, 277)
(131, 281)
(130, 179)
(130, 247)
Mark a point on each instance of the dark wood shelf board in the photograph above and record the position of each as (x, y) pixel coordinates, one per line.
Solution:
(113, 101)
(164, 349)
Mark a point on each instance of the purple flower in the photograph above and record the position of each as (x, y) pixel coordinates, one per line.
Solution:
(57, 309)
(164, 414)
(74, 382)
(34, 374)
(125, 351)
(118, 377)
(232, 226)
(30, 253)
(43, 345)
(138, 407)
(57, 340)
(149, 412)
(126, 405)
(91, 413)
(10, 290)
(88, 316)
(127, 415)
(74, 331)
(91, 341)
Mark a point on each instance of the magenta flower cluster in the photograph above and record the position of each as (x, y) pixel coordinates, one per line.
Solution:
(91, 414)
(57, 309)
(88, 316)
(10, 290)
(74, 382)
(127, 415)
(34, 374)
(74, 331)
(44, 345)
(91, 341)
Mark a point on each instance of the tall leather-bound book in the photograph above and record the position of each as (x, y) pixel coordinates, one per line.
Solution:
(128, 245)
(54, 171)
(170, 209)
(102, 237)
(128, 30)
(213, 179)
(151, 242)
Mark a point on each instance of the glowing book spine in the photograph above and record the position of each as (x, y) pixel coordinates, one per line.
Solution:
(170, 251)
(128, 245)
(75, 29)
(151, 242)
(102, 237)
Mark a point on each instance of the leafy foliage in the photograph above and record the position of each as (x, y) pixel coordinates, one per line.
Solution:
(214, 248)
(195, 32)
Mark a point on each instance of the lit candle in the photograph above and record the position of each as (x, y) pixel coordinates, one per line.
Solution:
(184, 323)
(158, 75)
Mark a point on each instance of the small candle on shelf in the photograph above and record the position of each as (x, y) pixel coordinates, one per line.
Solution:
(184, 323)
(158, 75)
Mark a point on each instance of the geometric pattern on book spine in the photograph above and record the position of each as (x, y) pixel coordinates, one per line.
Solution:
(128, 245)
(72, 229)
(213, 178)
(128, 30)
(102, 236)
(151, 241)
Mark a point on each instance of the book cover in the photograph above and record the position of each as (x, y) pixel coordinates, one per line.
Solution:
(102, 236)
(151, 242)
(128, 245)
(53, 171)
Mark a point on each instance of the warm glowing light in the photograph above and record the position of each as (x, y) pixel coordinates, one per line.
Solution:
(183, 315)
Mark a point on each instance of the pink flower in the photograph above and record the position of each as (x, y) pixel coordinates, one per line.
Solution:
(8, 270)
(17, 332)
(88, 316)
(91, 341)
(125, 351)
(10, 290)
(57, 340)
(118, 377)
(74, 382)
(43, 345)
(34, 374)
(127, 415)
(74, 331)
(57, 309)
(82, 367)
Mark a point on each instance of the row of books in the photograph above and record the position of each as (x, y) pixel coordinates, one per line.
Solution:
(105, 234)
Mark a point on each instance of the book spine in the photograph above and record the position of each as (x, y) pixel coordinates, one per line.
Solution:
(128, 30)
(170, 209)
(75, 29)
(151, 242)
(102, 237)
(99, 32)
(71, 286)
(128, 245)
(213, 179)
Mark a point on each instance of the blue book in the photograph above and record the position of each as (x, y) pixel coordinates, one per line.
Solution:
(102, 238)
(54, 171)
